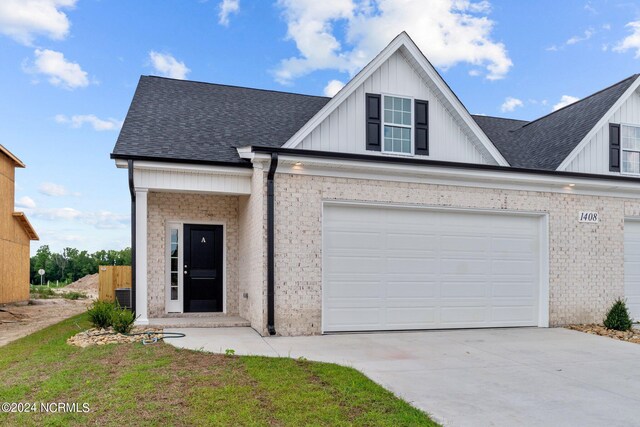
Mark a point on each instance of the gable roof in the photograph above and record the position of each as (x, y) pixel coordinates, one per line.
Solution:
(205, 122)
(16, 161)
(414, 56)
(546, 142)
(195, 122)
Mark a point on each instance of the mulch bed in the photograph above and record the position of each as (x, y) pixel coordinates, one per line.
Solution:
(632, 335)
(98, 336)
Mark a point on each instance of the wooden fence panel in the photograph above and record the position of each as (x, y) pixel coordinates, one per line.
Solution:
(112, 277)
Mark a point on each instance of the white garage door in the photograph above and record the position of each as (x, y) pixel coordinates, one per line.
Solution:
(390, 268)
(632, 267)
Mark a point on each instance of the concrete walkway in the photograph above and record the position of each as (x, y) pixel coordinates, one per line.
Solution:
(490, 377)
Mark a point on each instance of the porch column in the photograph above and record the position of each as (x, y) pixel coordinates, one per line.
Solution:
(142, 311)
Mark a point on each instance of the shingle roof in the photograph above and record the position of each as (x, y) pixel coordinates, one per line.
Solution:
(193, 121)
(544, 143)
(186, 120)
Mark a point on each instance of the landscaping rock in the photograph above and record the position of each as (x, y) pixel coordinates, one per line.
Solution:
(98, 336)
(632, 335)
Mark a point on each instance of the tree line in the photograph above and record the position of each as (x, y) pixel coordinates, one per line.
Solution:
(71, 264)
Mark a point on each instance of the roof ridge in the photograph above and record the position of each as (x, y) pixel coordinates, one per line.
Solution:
(501, 118)
(234, 86)
(634, 76)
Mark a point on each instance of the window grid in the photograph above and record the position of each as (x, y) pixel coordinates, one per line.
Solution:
(630, 145)
(173, 272)
(397, 125)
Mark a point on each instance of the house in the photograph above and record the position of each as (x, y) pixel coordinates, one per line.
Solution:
(386, 207)
(16, 234)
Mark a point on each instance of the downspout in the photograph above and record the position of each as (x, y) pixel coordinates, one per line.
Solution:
(132, 190)
(271, 245)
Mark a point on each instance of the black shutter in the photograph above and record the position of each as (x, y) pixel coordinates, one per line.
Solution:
(374, 132)
(421, 132)
(614, 147)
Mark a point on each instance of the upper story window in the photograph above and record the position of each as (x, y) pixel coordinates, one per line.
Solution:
(397, 125)
(397, 128)
(630, 149)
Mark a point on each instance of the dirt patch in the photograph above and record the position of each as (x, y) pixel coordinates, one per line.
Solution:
(17, 321)
(632, 335)
(88, 285)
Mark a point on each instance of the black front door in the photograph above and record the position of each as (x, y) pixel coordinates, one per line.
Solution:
(203, 245)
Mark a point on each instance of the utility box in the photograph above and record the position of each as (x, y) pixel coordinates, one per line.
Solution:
(123, 297)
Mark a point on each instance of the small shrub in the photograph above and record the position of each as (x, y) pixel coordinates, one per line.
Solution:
(229, 352)
(618, 317)
(101, 313)
(122, 320)
(73, 295)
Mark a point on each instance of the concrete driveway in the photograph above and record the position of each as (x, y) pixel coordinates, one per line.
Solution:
(487, 377)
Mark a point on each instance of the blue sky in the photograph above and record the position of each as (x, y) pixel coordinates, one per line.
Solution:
(69, 69)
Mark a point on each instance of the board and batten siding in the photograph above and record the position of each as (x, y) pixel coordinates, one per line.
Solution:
(594, 157)
(344, 129)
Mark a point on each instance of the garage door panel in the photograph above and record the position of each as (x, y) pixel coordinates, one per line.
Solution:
(347, 240)
(356, 264)
(513, 267)
(512, 289)
(354, 289)
(432, 269)
(355, 319)
(455, 267)
(410, 317)
(469, 289)
(411, 289)
(470, 315)
(457, 244)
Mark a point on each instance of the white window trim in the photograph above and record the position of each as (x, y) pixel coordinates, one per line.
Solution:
(174, 306)
(410, 127)
(622, 150)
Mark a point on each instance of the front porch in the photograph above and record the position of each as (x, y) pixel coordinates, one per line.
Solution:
(198, 247)
(199, 320)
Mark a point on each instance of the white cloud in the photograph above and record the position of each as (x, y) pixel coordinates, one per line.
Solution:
(632, 41)
(60, 72)
(77, 121)
(103, 220)
(448, 31)
(56, 214)
(333, 87)
(106, 220)
(510, 104)
(55, 190)
(577, 39)
(564, 101)
(168, 66)
(25, 202)
(227, 7)
(22, 20)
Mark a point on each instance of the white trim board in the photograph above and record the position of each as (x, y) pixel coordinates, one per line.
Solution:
(442, 175)
(190, 178)
(416, 58)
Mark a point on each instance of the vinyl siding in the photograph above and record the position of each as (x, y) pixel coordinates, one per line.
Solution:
(344, 129)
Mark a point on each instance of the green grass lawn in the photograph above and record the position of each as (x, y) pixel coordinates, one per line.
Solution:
(132, 384)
